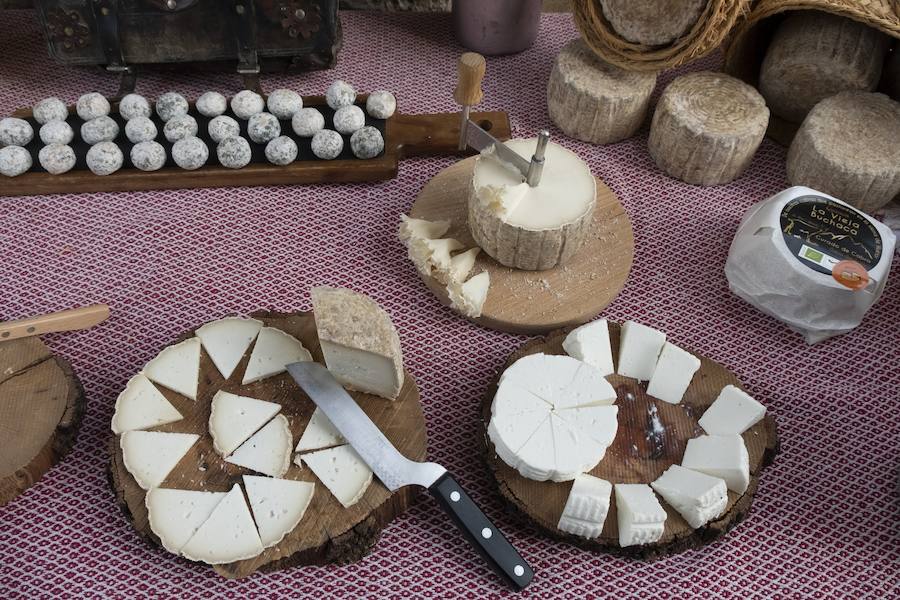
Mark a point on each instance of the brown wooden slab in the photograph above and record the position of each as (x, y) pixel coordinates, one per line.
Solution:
(529, 302)
(328, 532)
(638, 455)
(41, 406)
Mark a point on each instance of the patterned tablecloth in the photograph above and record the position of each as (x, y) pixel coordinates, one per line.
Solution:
(825, 519)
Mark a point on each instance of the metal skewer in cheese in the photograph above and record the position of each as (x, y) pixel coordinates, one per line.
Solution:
(707, 127)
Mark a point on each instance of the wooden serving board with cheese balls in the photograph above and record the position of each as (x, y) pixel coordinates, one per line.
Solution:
(218, 456)
(615, 439)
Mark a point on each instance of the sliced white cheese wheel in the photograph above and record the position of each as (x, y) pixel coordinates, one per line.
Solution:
(600, 423)
(175, 515)
(723, 456)
(639, 350)
(233, 419)
(268, 451)
(151, 455)
(274, 349)
(510, 434)
(733, 412)
(590, 343)
(177, 368)
(469, 297)
(673, 373)
(586, 507)
(575, 451)
(228, 535)
(319, 433)
(411, 229)
(141, 406)
(432, 257)
(544, 375)
(342, 471)
(226, 341)
(588, 388)
(278, 505)
(641, 517)
(537, 458)
(697, 497)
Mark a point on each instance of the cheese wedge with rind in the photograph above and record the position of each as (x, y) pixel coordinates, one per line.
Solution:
(268, 451)
(673, 373)
(226, 341)
(175, 515)
(228, 535)
(273, 351)
(142, 406)
(233, 419)
(151, 455)
(734, 411)
(697, 497)
(411, 229)
(639, 350)
(723, 456)
(177, 368)
(586, 507)
(319, 433)
(641, 518)
(342, 471)
(278, 505)
(469, 297)
(590, 343)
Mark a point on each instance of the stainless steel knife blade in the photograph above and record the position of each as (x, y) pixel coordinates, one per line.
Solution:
(481, 140)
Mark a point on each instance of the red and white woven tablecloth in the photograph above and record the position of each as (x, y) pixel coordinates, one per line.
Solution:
(825, 522)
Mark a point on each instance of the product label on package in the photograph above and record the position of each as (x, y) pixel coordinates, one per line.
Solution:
(821, 232)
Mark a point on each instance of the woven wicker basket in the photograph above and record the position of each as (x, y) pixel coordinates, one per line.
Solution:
(707, 34)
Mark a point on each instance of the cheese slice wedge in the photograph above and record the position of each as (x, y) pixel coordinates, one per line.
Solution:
(142, 406)
(226, 341)
(274, 349)
(588, 388)
(151, 455)
(177, 368)
(411, 229)
(510, 435)
(586, 507)
(642, 519)
(319, 433)
(600, 423)
(268, 451)
(733, 412)
(537, 458)
(175, 515)
(342, 471)
(673, 373)
(722, 456)
(590, 343)
(228, 535)
(639, 350)
(697, 497)
(233, 419)
(469, 297)
(278, 505)
(575, 451)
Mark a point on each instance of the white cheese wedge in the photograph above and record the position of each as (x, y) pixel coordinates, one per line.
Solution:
(359, 342)
(342, 471)
(233, 419)
(319, 433)
(723, 456)
(733, 412)
(226, 341)
(151, 455)
(673, 373)
(639, 350)
(601, 423)
(586, 507)
(588, 388)
(411, 229)
(268, 451)
(509, 435)
(142, 406)
(590, 343)
(433, 256)
(278, 505)
(575, 451)
(177, 368)
(228, 535)
(274, 349)
(175, 515)
(537, 458)
(460, 266)
(469, 297)
(641, 518)
(544, 375)
(697, 497)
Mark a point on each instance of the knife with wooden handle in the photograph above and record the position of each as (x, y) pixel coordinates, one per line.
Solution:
(66, 320)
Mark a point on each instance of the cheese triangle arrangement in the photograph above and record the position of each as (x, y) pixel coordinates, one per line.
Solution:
(226, 341)
(142, 406)
(151, 455)
(274, 349)
(268, 451)
(233, 419)
(228, 535)
(278, 505)
(177, 368)
(176, 515)
(342, 471)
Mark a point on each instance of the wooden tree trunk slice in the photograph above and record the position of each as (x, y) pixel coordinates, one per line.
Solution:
(530, 302)
(328, 533)
(638, 455)
(41, 407)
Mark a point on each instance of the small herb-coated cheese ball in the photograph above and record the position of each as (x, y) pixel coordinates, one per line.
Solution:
(348, 119)
(190, 153)
(247, 103)
(57, 158)
(327, 144)
(14, 160)
(340, 93)
(281, 151)
(101, 129)
(222, 127)
(15, 132)
(92, 105)
(263, 128)
(307, 121)
(171, 105)
(381, 104)
(234, 152)
(56, 132)
(284, 103)
(367, 142)
(104, 158)
(180, 127)
(140, 129)
(50, 109)
(132, 106)
(211, 104)
(148, 156)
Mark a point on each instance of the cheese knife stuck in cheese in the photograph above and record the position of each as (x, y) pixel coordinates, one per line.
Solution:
(395, 471)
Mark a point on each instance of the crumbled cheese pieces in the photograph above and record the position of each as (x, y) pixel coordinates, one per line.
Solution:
(460, 266)
(273, 351)
(342, 471)
(142, 406)
(151, 455)
(469, 297)
(639, 350)
(226, 341)
(268, 451)
(278, 505)
(723, 456)
(641, 517)
(319, 433)
(590, 343)
(733, 412)
(420, 229)
(432, 256)
(175, 515)
(586, 507)
(228, 535)
(177, 368)
(233, 419)
(673, 373)
(697, 497)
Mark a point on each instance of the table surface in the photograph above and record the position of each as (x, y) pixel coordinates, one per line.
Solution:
(825, 519)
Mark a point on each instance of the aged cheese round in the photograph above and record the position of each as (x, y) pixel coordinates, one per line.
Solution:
(171, 104)
(134, 105)
(348, 119)
(307, 121)
(263, 127)
(247, 103)
(340, 93)
(92, 105)
(14, 160)
(222, 127)
(101, 129)
(814, 55)
(190, 153)
(652, 22)
(50, 109)
(211, 104)
(104, 158)
(57, 158)
(140, 129)
(281, 151)
(594, 101)
(234, 152)
(367, 142)
(284, 103)
(849, 148)
(180, 127)
(148, 156)
(56, 132)
(327, 144)
(381, 104)
(15, 132)
(707, 127)
(527, 227)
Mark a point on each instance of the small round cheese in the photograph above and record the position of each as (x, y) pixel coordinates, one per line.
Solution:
(14, 160)
(104, 158)
(222, 127)
(234, 152)
(15, 132)
(140, 129)
(190, 153)
(327, 144)
(148, 156)
(170, 105)
(180, 127)
(92, 105)
(50, 109)
(56, 132)
(263, 127)
(340, 93)
(132, 106)
(101, 129)
(281, 151)
(367, 142)
(307, 121)
(284, 103)
(57, 158)
(211, 104)
(381, 104)
(652, 22)
(348, 119)
(247, 103)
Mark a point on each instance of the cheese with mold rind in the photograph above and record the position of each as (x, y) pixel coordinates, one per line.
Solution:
(151, 455)
(268, 451)
(342, 471)
(228, 535)
(177, 368)
(697, 497)
(674, 371)
(142, 406)
(175, 515)
(278, 505)
(233, 419)
(226, 341)
(274, 349)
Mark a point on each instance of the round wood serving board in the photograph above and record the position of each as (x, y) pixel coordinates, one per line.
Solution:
(41, 406)
(638, 455)
(530, 302)
(328, 532)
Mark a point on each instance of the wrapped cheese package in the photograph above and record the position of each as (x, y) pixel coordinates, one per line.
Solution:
(810, 261)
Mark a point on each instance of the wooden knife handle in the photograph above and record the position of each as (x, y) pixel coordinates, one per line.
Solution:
(66, 320)
(471, 73)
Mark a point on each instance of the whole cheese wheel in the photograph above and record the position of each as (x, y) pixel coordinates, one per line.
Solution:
(707, 127)
(594, 101)
(531, 228)
(815, 55)
(652, 22)
(849, 147)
